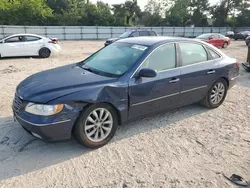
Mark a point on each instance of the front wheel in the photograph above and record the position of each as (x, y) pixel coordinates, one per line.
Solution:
(216, 94)
(96, 126)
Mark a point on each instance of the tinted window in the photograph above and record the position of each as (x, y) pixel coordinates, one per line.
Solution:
(163, 58)
(214, 36)
(152, 33)
(31, 38)
(15, 39)
(204, 36)
(213, 54)
(135, 34)
(125, 35)
(192, 53)
(144, 33)
(115, 59)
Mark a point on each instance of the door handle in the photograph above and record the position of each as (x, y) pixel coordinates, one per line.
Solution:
(174, 80)
(211, 72)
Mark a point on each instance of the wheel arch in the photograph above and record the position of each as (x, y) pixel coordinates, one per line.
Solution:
(118, 113)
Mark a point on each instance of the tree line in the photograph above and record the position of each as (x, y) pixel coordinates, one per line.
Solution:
(156, 13)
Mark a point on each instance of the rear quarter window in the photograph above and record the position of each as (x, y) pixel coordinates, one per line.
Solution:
(213, 54)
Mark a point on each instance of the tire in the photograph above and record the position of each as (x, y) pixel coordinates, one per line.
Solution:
(208, 100)
(44, 53)
(85, 131)
(225, 45)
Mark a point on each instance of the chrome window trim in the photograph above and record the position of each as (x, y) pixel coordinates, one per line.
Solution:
(195, 42)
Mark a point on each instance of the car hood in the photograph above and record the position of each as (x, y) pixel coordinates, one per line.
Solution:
(48, 85)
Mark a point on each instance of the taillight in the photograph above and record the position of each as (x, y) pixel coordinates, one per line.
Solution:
(53, 41)
(238, 64)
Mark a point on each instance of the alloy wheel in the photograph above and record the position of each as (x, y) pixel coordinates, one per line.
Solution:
(217, 93)
(98, 125)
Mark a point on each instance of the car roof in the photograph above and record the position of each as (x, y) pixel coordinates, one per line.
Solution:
(25, 34)
(132, 30)
(154, 40)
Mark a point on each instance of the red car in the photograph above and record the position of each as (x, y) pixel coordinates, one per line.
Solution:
(215, 39)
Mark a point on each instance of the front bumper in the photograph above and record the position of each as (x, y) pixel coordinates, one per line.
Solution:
(55, 49)
(55, 131)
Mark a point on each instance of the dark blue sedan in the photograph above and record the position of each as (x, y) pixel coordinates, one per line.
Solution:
(126, 80)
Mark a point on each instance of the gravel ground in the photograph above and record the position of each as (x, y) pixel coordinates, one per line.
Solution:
(187, 147)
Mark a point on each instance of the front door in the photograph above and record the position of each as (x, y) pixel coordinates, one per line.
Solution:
(198, 71)
(214, 40)
(148, 95)
(13, 46)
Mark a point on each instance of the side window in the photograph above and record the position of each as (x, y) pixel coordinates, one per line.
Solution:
(214, 37)
(31, 38)
(213, 54)
(192, 53)
(15, 39)
(135, 34)
(144, 33)
(163, 58)
(152, 33)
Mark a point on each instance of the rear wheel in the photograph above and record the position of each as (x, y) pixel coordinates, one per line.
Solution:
(216, 94)
(44, 53)
(96, 126)
(225, 45)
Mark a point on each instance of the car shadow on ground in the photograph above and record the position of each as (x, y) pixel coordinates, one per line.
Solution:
(21, 153)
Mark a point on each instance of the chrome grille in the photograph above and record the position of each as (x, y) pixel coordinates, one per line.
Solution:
(17, 103)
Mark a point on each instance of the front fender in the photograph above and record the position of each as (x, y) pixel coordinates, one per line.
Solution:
(116, 95)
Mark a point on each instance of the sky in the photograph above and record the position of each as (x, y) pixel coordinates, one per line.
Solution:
(141, 3)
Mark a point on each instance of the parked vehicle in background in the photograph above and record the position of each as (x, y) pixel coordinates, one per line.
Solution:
(247, 40)
(124, 81)
(216, 39)
(28, 45)
(241, 35)
(230, 34)
(131, 33)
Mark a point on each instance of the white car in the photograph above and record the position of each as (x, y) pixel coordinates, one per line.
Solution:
(28, 45)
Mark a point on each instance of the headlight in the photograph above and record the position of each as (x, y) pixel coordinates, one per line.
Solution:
(43, 110)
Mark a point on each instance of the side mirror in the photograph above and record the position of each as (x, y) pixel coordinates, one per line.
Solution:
(147, 73)
(210, 38)
(131, 36)
(2, 41)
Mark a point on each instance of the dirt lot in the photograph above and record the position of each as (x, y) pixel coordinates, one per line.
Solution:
(187, 147)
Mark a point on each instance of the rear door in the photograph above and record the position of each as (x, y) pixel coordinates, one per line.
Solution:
(13, 46)
(32, 45)
(148, 95)
(198, 72)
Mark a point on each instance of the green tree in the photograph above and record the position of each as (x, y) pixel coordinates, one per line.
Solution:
(224, 9)
(199, 8)
(25, 12)
(179, 14)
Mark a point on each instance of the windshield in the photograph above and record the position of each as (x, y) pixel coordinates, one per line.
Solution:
(125, 35)
(204, 36)
(115, 59)
(3, 38)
